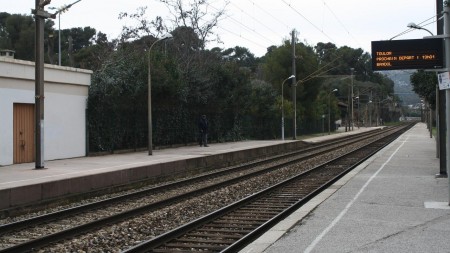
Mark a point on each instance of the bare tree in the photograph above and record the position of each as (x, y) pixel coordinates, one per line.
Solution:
(144, 27)
(200, 15)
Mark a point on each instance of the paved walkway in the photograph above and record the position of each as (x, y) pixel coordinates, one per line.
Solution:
(390, 203)
(24, 174)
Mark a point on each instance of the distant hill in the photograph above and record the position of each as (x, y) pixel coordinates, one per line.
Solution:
(402, 86)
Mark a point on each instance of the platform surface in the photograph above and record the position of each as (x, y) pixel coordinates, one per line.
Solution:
(391, 203)
(22, 185)
(24, 174)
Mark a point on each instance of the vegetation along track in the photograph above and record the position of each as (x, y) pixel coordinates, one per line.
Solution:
(39, 231)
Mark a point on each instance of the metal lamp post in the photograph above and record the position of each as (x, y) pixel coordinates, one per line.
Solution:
(282, 105)
(329, 110)
(150, 142)
(59, 39)
(63, 9)
(440, 116)
(59, 33)
(351, 119)
(357, 98)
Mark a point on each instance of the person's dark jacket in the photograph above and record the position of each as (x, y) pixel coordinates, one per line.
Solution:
(203, 125)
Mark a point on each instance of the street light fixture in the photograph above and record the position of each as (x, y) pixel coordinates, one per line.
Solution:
(150, 142)
(61, 9)
(440, 119)
(329, 109)
(445, 137)
(282, 105)
(414, 26)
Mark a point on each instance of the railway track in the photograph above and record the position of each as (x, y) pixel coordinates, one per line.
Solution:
(241, 173)
(233, 227)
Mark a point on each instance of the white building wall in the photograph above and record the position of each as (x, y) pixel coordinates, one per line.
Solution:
(65, 91)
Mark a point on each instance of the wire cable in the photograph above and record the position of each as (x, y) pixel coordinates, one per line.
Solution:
(270, 14)
(246, 27)
(412, 29)
(342, 24)
(268, 28)
(314, 74)
(301, 15)
(240, 36)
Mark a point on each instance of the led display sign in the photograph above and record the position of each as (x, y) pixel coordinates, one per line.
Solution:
(407, 54)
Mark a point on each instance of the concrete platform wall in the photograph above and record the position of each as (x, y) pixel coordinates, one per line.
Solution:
(32, 194)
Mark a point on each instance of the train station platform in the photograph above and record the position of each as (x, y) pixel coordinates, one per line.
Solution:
(391, 203)
(21, 184)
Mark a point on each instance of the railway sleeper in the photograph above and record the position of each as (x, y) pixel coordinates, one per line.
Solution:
(213, 235)
(191, 246)
(194, 240)
(247, 218)
(223, 230)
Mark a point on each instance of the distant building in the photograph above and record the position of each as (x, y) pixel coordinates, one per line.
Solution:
(65, 91)
(5, 53)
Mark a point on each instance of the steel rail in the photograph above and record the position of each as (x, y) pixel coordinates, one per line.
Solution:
(5, 228)
(39, 242)
(157, 244)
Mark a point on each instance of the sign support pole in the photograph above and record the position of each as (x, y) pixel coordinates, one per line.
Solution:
(440, 105)
(294, 89)
(447, 91)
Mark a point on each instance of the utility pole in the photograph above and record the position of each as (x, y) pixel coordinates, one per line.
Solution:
(430, 119)
(370, 109)
(294, 90)
(40, 15)
(351, 99)
(447, 91)
(440, 105)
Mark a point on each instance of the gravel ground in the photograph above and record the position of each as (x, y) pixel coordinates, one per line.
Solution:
(131, 232)
(123, 235)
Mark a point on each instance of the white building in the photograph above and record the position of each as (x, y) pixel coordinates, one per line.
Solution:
(65, 91)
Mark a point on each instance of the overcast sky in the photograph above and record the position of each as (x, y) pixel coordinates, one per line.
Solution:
(258, 24)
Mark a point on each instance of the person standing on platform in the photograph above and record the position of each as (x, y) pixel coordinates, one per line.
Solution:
(203, 129)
